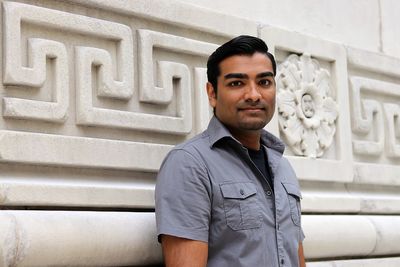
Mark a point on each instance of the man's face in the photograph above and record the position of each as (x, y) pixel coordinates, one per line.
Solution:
(245, 99)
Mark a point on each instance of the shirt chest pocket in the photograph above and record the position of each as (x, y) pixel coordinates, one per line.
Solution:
(294, 195)
(240, 205)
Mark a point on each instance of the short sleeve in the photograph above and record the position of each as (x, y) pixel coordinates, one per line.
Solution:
(302, 236)
(182, 197)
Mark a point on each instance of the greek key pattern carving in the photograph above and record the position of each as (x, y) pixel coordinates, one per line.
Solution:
(167, 71)
(392, 116)
(161, 95)
(39, 50)
(161, 82)
(33, 75)
(166, 94)
(375, 124)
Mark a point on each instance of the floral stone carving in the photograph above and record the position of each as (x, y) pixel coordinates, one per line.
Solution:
(307, 111)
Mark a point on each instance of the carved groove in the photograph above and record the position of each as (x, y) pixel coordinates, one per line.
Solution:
(369, 117)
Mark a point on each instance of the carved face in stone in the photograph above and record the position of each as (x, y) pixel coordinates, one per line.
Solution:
(307, 105)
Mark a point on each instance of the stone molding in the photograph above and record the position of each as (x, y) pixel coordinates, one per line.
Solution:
(80, 238)
(384, 262)
(112, 238)
(336, 163)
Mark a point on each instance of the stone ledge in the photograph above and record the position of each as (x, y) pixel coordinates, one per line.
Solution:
(383, 262)
(73, 238)
(83, 238)
(329, 236)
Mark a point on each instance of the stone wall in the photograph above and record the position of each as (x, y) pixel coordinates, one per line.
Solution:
(95, 93)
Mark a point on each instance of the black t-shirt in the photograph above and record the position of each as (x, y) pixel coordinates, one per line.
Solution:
(259, 158)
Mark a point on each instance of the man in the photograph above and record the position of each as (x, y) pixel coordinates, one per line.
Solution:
(227, 197)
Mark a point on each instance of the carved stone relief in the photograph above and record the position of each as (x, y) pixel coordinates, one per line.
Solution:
(307, 110)
(100, 74)
(114, 76)
(392, 115)
(33, 76)
(375, 124)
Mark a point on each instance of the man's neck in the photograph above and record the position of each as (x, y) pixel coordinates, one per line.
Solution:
(249, 139)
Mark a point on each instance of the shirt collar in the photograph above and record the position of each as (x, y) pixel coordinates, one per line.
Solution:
(217, 131)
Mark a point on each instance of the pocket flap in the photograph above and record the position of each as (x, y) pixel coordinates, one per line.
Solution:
(238, 190)
(292, 189)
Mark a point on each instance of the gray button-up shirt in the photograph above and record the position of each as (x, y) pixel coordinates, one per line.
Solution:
(208, 189)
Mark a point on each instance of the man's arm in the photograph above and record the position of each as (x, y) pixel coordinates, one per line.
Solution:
(181, 252)
(302, 261)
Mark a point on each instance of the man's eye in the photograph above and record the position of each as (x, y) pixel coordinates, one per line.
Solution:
(235, 83)
(264, 82)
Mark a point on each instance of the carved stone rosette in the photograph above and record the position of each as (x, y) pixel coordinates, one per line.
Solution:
(307, 111)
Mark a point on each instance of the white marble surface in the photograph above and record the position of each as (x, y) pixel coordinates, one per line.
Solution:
(390, 35)
(381, 262)
(353, 23)
(75, 238)
(129, 238)
(350, 235)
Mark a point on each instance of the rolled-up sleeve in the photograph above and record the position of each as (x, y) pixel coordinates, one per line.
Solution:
(183, 197)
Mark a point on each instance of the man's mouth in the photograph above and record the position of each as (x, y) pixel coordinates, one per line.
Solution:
(251, 108)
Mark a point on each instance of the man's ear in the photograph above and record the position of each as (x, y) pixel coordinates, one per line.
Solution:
(212, 96)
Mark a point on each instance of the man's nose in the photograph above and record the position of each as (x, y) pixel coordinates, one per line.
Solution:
(252, 93)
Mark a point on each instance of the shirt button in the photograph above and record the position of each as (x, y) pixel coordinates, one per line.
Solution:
(269, 193)
(241, 192)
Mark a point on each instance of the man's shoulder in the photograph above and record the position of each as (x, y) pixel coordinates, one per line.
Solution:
(194, 147)
(188, 154)
(199, 141)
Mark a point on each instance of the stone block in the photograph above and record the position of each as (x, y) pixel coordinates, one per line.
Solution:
(323, 197)
(318, 145)
(105, 93)
(94, 91)
(181, 14)
(381, 262)
(387, 234)
(72, 238)
(374, 86)
(390, 33)
(350, 235)
(337, 235)
(336, 21)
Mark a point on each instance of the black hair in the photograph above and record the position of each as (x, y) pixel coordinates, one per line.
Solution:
(241, 45)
